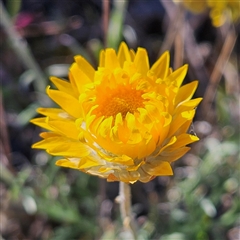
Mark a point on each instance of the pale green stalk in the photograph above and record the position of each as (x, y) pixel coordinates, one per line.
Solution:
(114, 34)
(126, 209)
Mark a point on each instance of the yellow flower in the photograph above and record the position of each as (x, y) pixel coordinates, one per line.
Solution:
(220, 10)
(125, 121)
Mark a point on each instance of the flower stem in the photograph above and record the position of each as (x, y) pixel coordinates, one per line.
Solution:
(210, 93)
(126, 210)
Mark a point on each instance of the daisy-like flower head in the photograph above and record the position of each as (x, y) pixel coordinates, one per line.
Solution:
(125, 121)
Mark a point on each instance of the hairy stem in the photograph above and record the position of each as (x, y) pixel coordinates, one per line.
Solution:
(125, 209)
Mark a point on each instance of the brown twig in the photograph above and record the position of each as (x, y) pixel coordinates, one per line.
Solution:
(196, 60)
(217, 73)
(179, 40)
(5, 149)
(174, 14)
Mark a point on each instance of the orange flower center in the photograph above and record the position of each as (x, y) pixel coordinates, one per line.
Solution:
(120, 100)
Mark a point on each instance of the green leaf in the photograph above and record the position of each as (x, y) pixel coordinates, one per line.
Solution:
(114, 35)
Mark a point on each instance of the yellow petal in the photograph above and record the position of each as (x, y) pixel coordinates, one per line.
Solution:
(42, 122)
(123, 54)
(124, 159)
(169, 143)
(161, 67)
(111, 60)
(146, 148)
(118, 119)
(94, 125)
(88, 162)
(60, 146)
(132, 54)
(186, 92)
(162, 169)
(184, 128)
(79, 78)
(54, 113)
(187, 106)
(66, 128)
(102, 59)
(63, 86)
(179, 120)
(182, 140)
(178, 76)
(85, 66)
(66, 163)
(48, 135)
(141, 61)
(105, 127)
(66, 102)
(172, 156)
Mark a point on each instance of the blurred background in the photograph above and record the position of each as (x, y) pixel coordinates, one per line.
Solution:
(42, 201)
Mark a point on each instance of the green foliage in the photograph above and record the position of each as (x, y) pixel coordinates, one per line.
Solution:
(115, 35)
(208, 205)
